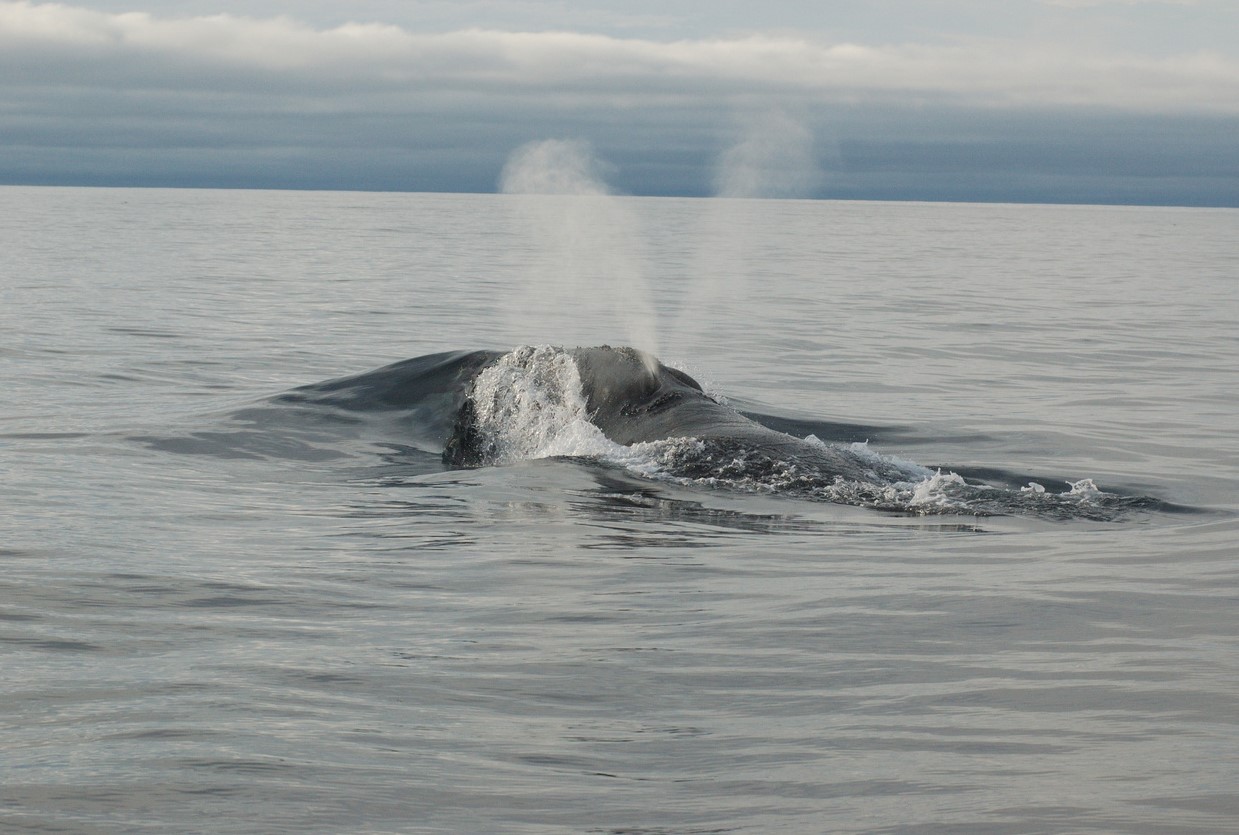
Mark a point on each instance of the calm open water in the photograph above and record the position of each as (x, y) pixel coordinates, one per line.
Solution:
(216, 622)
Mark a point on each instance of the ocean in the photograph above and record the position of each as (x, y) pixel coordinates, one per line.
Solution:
(232, 602)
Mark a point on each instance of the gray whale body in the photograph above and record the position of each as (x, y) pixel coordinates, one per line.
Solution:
(633, 398)
(441, 404)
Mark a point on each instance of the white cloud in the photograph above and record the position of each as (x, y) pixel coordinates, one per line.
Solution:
(88, 96)
(52, 43)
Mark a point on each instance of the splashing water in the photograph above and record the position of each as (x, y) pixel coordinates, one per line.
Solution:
(529, 404)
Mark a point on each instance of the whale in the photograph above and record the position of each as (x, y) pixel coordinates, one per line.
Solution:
(471, 409)
(629, 395)
(633, 398)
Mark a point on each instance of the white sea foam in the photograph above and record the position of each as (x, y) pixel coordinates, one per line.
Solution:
(935, 491)
(1085, 488)
(878, 460)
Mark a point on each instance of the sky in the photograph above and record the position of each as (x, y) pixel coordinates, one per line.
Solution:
(1071, 101)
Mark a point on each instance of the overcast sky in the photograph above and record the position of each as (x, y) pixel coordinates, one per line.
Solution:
(1111, 101)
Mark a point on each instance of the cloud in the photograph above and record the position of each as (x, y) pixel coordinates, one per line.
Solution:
(138, 98)
(52, 43)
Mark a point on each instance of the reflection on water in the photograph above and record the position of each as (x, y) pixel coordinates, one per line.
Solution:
(227, 610)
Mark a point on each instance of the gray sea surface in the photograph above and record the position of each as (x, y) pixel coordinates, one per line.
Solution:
(214, 621)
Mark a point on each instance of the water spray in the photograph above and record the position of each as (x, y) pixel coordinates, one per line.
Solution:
(591, 265)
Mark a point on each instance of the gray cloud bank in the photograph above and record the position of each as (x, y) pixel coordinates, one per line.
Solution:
(90, 97)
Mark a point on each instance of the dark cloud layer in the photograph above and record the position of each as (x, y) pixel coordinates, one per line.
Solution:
(91, 98)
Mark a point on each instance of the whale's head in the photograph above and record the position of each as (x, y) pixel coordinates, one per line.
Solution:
(628, 394)
(627, 380)
(624, 386)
